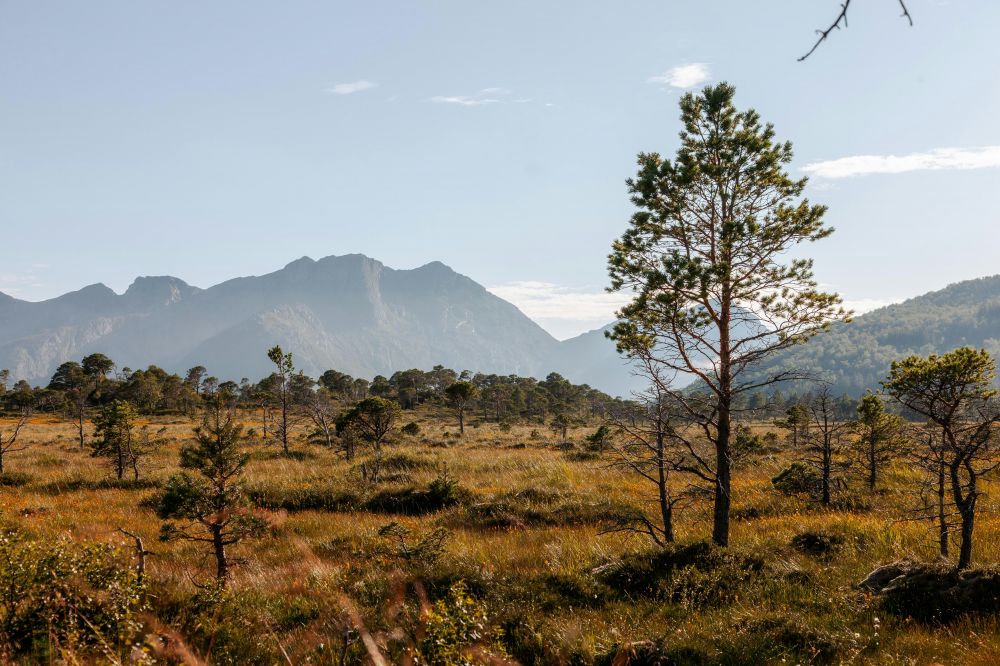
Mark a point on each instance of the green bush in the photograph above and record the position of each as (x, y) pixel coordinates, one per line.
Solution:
(64, 600)
(692, 575)
(798, 478)
(821, 543)
(458, 632)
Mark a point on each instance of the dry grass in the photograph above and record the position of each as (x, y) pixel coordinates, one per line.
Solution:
(317, 555)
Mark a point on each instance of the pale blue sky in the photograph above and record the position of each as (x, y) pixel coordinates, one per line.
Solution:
(213, 139)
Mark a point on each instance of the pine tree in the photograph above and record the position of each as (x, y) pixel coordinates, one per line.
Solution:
(209, 506)
(712, 295)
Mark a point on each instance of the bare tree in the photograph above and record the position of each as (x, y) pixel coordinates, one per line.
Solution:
(8, 439)
(824, 442)
(321, 409)
(648, 446)
(841, 19)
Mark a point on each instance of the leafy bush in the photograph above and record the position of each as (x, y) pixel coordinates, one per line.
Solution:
(692, 575)
(14, 479)
(939, 594)
(66, 600)
(457, 632)
(533, 507)
(821, 543)
(440, 493)
(798, 478)
(411, 428)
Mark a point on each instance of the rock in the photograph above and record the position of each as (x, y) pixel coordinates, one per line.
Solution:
(879, 580)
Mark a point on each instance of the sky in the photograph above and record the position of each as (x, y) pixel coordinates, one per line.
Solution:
(208, 140)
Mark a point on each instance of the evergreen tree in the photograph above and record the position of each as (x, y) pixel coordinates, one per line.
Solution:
(703, 258)
(209, 506)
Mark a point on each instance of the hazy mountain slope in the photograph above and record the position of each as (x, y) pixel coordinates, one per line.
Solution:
(591, 358)
(349, 312)
(857, 355)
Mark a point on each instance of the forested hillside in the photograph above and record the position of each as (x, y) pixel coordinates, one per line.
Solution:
(856, 356)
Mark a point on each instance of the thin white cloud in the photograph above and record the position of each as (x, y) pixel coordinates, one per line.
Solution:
(862, 305)
(492, 95)
(464, 100)
(544, 300)
(352, 87)
(932, 160)
(684, 76)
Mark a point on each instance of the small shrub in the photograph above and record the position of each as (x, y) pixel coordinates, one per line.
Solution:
(796, 479)
(64, 598)
(820, 543)
(693, 575)
(14, 479)
(939, 594)
(453, 627)
(411, 428)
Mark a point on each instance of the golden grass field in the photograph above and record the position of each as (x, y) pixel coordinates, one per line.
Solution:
(322, 560)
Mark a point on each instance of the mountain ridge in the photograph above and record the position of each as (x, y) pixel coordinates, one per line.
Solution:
(349, 312)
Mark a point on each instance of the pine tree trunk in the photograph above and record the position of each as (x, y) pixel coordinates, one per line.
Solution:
(666, 510)
(872, 467)
(461, 420)
(942, 518)
(221, 560)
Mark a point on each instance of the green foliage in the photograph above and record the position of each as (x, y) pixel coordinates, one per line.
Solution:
(599, 440)
(420, 551)
(210, 506)
(115, 438)
(457, 632)
(693, 575)
(59, 599)
(798, 478)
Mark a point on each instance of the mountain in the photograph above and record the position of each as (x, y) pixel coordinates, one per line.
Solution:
(856, 356)
(349, 312)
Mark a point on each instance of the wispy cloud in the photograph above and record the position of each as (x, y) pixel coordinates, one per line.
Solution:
(862, 305)
(932, 160)
(684, 76)
(463, 100)
(352, 87)
(492, 95)
(578, 309)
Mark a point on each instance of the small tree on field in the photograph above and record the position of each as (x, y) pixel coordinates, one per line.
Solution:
(955, 392)
(460, 396)
(75, 386)
(879, 437)
(321, 409)
(8, 439)
(282, 392)
(796, 422)
(824, 442)
(115, 437)
(560, 424)
(704, 259)
(373, 419)
(648, 447)
(209, 506)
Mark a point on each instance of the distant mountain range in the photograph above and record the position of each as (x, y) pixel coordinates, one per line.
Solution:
(358, 316)
(350, 313)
